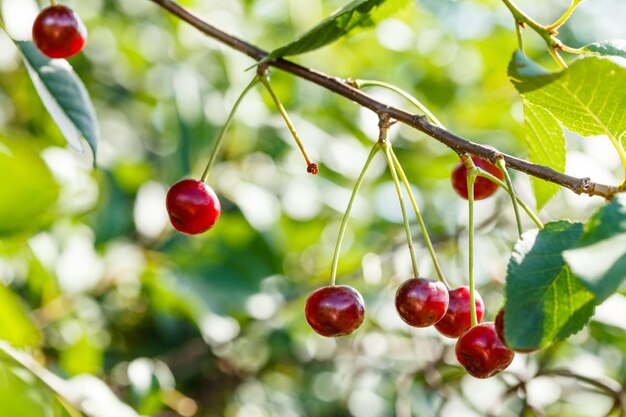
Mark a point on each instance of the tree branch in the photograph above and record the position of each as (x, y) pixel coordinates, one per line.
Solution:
(344, 88)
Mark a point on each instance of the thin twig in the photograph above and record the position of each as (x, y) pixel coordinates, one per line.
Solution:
(421, 123)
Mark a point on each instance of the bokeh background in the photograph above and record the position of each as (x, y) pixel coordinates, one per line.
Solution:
(146, 321)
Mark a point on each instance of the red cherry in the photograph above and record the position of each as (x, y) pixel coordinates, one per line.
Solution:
(483, 187)
(499, 323)
(457, 319)
(481, 352)
(422, 302)
(58, 32)
(192, 206)
(335, 311)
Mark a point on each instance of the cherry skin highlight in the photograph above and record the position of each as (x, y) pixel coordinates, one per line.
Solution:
(58, 32)
(335, 311)
(483, 187)
(481, 352)
(422, 302)
(192, 206)
(457, 319)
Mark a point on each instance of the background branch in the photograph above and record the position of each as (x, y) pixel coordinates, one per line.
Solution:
(421, 123)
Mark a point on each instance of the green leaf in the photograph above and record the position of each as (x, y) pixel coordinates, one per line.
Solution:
(545, 302)
(64, 95)
(16, 327)
(616, 47)
(28, 189)
(22, 394)
(599, 258)
(588, 98)
(546, 146)
(358, 14)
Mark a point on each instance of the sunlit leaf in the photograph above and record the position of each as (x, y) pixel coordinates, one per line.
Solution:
(358, 14)
(28, 189)
(16, 327)
(22, 394)
(546, 146)
(588, 98)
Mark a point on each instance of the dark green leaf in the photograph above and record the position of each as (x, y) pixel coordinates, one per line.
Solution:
(616, 47)
(545, 302)
(599, 259)
(357, 14)
(64, 95)
(546, 146)
(31, 190)
(522, 67)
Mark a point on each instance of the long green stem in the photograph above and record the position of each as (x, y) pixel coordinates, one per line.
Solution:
(265, 80)
(620, 151)
(407, 227)
(557, 58)
(528, 210)
(471, 178)
(561, 20)
(222, 134)
(418, 104)
(520, 16)
(420, 220)
(520, 38)
(547, 35)
(502, 166)
(346, 215)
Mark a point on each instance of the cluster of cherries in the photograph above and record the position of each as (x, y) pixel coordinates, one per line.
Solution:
(338, 310)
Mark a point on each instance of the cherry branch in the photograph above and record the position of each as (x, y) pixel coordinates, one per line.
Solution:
(345, 88)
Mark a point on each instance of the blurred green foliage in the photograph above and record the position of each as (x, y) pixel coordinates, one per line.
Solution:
(94, 280)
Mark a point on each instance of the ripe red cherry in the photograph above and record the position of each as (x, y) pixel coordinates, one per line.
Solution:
(499, 323)
(457, 319)
(481, 352)
(483, 188)
(422, 302)
(335, 311)
(192, 206)
(58, 32)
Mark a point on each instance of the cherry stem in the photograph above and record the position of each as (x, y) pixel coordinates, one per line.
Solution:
(407, 227)
(561, 20)
(346, 215)
(418, 104)
(520, 38)
(420, 220)
(501, 164)
(472, 173)
(528, 210)
(222, 134)
(266, 82)
(557, 58)
(53, 3)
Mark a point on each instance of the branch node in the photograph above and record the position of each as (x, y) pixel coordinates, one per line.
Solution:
(351, 82)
